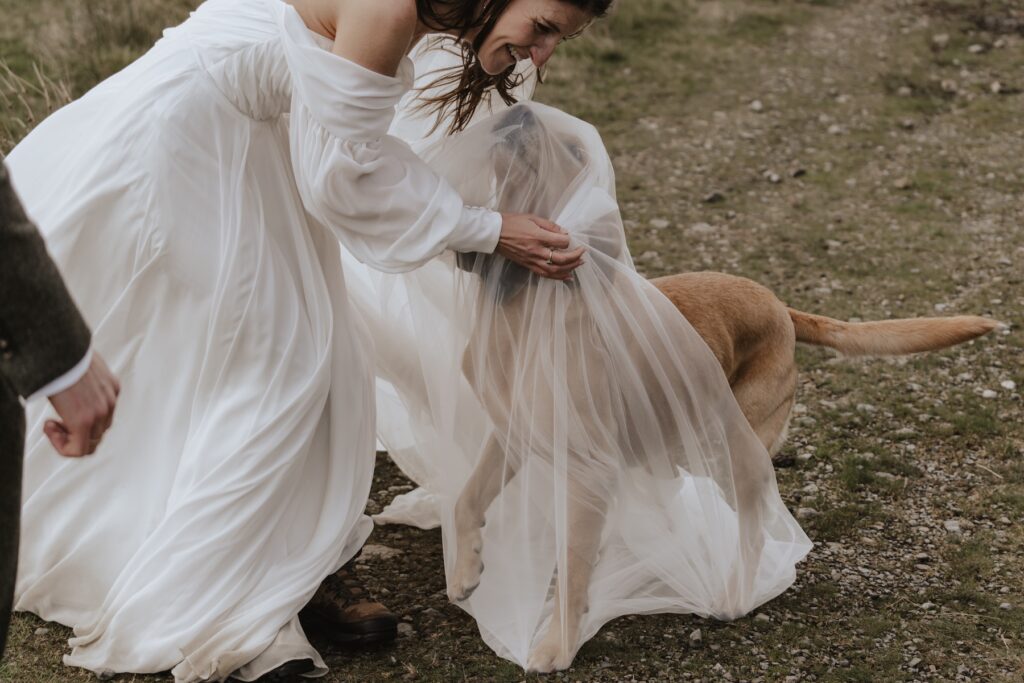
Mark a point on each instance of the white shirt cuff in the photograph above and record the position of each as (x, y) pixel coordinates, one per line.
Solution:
(65, 381)
(479, 230)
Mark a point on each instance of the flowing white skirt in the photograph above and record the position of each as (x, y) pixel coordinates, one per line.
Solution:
(236, 472)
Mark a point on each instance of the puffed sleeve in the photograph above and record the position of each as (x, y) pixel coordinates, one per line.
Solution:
(383, 202)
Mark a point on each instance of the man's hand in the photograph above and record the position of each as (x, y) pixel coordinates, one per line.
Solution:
(539, 245)
(86, 410)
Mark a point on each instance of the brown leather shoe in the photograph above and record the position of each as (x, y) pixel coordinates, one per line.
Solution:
(344, 612)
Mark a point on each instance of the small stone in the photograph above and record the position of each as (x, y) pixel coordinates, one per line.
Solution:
(914, 662)
(1005, 606)
(902, 183)
(1008, 384)
(810, 488)
(907, 124)
(835, 129)
(696, 636)
(804, 457)
(996, 87)
(927, 606)
(805, 513)
(106, 675)
(948, 85)
(714, 198)
(772, 177)
(757, 106)
(701, 228)
(42, 631)
(405, 630)
(976, 48)
(659, 223)
(952, 526)
(988, 393)
(940, 40)
(378, 552)
(762, 617)
(904, 91)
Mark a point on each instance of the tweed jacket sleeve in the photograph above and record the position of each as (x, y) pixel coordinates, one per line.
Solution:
(42, 333)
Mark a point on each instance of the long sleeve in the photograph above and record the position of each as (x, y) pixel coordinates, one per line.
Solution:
(42, 334)
(384, 203)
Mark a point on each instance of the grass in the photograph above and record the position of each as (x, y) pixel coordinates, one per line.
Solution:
(852, 95)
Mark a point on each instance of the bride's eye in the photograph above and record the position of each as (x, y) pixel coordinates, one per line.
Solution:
(543, 29)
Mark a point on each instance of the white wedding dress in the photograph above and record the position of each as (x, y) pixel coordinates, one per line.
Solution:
(194, 203)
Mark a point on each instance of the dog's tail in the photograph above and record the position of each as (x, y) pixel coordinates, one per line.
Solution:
(888, 337)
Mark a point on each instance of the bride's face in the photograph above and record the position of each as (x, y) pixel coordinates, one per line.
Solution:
(529, 29)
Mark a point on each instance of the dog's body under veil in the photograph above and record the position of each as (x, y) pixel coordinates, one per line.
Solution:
(601, 412)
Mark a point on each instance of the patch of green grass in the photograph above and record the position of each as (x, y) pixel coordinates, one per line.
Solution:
(839, 522)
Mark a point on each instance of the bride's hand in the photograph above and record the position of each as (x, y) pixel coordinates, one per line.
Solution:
(538, 245)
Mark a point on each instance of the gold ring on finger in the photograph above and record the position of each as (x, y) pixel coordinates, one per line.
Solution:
(551, 252)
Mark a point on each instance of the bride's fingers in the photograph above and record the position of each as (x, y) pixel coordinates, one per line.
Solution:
(567, 258)
(550, 235)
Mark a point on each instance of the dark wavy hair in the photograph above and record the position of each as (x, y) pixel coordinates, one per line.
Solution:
(464, 87)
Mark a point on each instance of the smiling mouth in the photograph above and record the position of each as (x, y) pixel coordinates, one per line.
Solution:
(515, 55)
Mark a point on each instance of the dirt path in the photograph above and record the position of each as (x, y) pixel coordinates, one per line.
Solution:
(862, 158)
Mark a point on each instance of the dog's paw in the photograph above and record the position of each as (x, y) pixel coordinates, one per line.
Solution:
(551, 654)
(468, 566)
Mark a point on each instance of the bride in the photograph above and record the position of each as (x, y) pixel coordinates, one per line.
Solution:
(195, 203)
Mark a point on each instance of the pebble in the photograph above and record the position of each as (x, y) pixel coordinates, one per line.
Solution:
(952, 525)
(714, 197)
(701, 228)
(696, 636)
(406, 630)
(927, 606)
(1008, 384)
(940, 40)
(902, 184)
(835, 129)
(772, 177)
(988, 393)
(756, 105)
(976, 48)
(805, 513)
(762, 617)
(1005, 606)
(904, 91)
(42, 631)
(914, 662)
(378, 552)
(659, 223)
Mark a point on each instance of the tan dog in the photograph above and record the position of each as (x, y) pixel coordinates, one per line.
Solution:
(753, 335)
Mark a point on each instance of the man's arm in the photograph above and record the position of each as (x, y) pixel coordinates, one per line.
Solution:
(42, 334)
(44, 342)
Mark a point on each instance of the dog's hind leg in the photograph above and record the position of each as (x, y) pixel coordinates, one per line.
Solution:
(489, 475)
(585, 521)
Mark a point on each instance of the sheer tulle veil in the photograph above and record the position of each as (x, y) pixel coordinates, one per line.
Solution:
(577, 442)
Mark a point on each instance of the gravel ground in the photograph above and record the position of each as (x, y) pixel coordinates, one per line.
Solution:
(861, 158)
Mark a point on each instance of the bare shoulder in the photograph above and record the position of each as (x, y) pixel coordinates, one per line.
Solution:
(376, 34)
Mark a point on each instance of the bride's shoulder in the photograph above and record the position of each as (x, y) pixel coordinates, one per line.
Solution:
(376, 34)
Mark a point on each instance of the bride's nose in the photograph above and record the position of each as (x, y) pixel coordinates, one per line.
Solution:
(541, 52)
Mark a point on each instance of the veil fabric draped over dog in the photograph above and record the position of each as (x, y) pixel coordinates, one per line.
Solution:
(594, 406)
